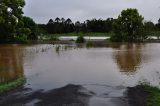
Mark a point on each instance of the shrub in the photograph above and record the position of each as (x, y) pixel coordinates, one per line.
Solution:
(21, 39)
(80, 39)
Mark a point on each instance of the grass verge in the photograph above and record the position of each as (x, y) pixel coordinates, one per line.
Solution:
(144, 95)
(12, 85)
(154, 95)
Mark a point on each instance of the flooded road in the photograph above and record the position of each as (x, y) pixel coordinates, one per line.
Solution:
(71, 75)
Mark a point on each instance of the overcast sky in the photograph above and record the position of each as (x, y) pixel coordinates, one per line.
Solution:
(42, 10)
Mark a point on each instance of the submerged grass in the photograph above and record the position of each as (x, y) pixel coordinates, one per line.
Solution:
(12, 85)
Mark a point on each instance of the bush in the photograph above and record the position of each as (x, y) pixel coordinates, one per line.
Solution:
(54, 38)
(80, 39)
(21, 39)
(115, 38)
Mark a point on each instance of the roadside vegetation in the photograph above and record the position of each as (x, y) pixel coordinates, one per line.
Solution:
(154, 95)
(144, 94)
(12, 85)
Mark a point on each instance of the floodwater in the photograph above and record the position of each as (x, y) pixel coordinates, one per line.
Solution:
(96, 76)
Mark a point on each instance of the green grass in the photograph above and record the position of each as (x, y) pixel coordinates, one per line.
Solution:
(82, 34)
(154, 94)
(154, 33)
(12, 85)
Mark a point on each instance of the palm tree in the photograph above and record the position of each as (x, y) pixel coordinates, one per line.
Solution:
(63, 20)
(77, 23)
(69, 21)
(50, 21)
(57, 20)
(77, 26)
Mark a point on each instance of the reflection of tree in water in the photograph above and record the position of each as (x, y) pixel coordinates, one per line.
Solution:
(129, 57)
(11, 63)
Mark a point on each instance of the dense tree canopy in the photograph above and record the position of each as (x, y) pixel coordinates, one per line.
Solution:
(13, 25)
(10, 13)
(158, 25)
(100, 25)
(67, 26)
(129, 26)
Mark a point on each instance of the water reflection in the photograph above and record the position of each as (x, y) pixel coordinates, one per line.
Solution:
(11, 63)
(62, 48)
(129, 57)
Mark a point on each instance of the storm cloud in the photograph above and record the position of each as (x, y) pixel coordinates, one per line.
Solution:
(42, 10)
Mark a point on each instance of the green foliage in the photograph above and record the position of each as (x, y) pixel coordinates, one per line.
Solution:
(155, 33)
(81, 34)
(154, 94)
(10, 14)
(128, 26)
(149, 26)
(100, 25)
(13, 25)
(12, 85)
(21, 39)
(67, 26)
(29, 28)
(54, 38)
(158, 25)
(80, 39)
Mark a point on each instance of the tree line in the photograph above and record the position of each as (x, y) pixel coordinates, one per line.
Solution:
(61, 25)
(129, 26)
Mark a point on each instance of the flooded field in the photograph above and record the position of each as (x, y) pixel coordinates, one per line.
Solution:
(71, 75)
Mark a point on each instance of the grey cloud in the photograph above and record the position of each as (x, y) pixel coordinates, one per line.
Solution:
(42, 10)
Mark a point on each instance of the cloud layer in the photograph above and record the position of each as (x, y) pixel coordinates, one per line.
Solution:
(42, 10)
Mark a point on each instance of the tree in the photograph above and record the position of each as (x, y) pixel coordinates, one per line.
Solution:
(62, 20)
(69, 26)
(158, 25)
(57, 20)
(128, 26)
(10, 14)
(77, 26)
(149, 26)
(31, 25)
(80, 39)
(100, 25)
(50, 26)
(68, 21)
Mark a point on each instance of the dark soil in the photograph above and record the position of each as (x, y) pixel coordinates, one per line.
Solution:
(137, 96)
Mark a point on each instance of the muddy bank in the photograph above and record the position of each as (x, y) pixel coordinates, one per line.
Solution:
(137, 96)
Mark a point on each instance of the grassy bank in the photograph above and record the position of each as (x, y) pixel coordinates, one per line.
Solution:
(81, 34)
(12, 85)
(144, 95)
(153, 95)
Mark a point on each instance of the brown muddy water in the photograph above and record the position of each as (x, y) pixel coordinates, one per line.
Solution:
(70, 75)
